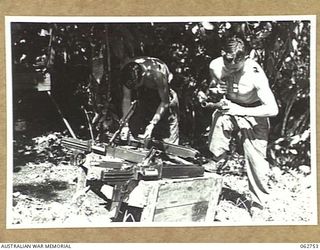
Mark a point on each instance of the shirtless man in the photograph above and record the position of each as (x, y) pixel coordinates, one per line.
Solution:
(147, 79)
(246, 105)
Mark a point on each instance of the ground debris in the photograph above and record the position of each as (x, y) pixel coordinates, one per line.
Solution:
(45, 192)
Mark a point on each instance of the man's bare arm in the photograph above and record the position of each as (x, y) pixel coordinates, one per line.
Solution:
(269, 105)
(163, 90)
(216, 86)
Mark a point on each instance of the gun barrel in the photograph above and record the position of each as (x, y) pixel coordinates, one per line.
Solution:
(210, 105)
(173, 149)
(76, 144)
(83, 146)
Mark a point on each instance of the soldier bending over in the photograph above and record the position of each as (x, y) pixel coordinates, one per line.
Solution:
(147, 79)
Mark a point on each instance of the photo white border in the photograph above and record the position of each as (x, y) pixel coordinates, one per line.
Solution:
(148, 19)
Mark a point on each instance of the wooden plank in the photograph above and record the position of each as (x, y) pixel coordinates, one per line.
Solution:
(183, 192)
(190, 212)
(81, 178)
(148, 211)
(214, 199)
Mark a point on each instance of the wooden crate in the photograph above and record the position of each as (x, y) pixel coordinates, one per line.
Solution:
(174, 200)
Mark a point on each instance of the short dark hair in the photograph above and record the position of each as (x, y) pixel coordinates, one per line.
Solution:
(131, 75)
(235, 46)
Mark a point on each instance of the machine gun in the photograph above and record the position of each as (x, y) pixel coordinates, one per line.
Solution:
(133, 164)
(174, 164)
(136, 151)
(81, 147)
(122, 164)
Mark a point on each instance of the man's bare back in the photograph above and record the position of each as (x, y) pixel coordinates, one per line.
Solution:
(154, 69)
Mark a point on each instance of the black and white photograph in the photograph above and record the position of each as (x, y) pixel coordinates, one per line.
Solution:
(160, 121)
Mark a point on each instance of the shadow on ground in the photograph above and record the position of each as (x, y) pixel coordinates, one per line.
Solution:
(48, 190)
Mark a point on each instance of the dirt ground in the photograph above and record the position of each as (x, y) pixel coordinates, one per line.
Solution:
(45, 194)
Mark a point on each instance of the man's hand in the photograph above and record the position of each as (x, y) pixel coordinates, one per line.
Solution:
(125, 132)
(221, 88)
(148, 131)
(202, 96)
(230, 108)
